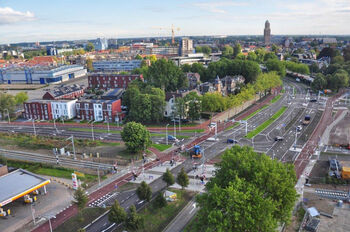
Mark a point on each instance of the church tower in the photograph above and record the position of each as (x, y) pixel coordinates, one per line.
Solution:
(267, 33)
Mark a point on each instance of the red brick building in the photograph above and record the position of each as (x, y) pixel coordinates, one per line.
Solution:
(64, 92)
(99, 110)
(38, 110)
(108, 81)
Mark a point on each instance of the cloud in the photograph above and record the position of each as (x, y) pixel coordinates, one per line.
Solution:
(10, 16)
(218, 7)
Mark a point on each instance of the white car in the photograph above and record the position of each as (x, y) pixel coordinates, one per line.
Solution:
(212, 124)
(212, 139)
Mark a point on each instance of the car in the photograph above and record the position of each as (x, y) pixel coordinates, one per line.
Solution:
(334, 165)
(313, 100)
(231, 141)
(279, 138)
(299, 128)
(212, 139)
(172, 138)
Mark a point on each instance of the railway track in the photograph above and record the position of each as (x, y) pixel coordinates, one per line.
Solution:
(34, 157)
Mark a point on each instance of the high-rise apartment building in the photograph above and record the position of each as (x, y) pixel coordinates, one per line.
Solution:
(186, 46)
(267, 33)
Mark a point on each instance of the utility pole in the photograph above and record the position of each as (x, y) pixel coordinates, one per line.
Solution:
(34, 127)
(54, 125)
(72, 138)
(92, 130)
(106, 118)
(166, 134)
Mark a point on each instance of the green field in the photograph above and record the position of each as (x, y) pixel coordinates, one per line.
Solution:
(161, 147)
(265, 124)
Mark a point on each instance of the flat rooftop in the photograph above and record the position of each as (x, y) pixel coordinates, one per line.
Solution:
(19, 183)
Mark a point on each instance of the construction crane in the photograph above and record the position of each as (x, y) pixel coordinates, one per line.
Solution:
(173, 29)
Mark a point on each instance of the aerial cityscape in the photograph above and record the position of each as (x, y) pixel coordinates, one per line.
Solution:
(175, 116)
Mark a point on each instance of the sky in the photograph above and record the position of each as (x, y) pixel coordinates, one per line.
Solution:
(48, 20)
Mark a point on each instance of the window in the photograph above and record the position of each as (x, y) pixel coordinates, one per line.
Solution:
(86, 106)
(109, 107)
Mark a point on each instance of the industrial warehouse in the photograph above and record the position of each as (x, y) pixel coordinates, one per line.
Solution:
(40, 74)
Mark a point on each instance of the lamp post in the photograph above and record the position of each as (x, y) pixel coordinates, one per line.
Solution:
(166, 133)
(72, 138)
(8, 115)
(54, 125)
(92, 130)
(107, 120)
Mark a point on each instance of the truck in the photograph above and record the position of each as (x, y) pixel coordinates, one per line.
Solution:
(196, 152)
(307, 119)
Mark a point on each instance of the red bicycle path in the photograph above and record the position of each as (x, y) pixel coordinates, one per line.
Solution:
(162, 157)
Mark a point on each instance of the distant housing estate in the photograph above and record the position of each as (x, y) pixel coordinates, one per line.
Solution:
(108, 81)
(116, 65)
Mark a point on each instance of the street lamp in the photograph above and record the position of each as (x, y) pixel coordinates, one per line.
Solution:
(72, 138)
(8, 115)
(107, 120)
(166, 133)
(54, 124)
(92, 130)
(49, 217)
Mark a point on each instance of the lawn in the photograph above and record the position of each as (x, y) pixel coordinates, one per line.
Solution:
(232, 126)
(265, 124)
(46, 170)
(74, 223)
(275, 98)
(157, 219)
(161, 147)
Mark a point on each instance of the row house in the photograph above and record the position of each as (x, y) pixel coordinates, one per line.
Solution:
(108, 81)
(38, 110)
(99, 110)
(65, 92)
(63, 109)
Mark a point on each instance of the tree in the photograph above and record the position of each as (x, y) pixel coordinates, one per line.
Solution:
(274, 48)
(320, 82)
(346, 53)
(134, 221)
(340, 79)
(80, 198)
(182, 178)
(337, 60)
(81, 230)
(237, 50)
(136, 136)
(203, 49)
(165, 75)
(117, 213)
(89, 65)
(21, 97)
(144, 191)
(90, 47)
(186, 68)
(138, 57)
(213, 102)
(194, 105)
(327, 52)
(168, 178)
(160, 201)
(276, 65)
(250, 192)
(314, 68)
(227, 51)
(7, 103)
(252, 56)
(270, 55)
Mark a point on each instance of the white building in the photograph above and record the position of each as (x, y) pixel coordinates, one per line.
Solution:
(40, 75)
(116, 65)
(63, 109)
(101, 44)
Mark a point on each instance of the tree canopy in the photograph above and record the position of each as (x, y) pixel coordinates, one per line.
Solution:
(168, 178)
(90, 47)
(182, 178)
(136, 136)
(276, 65)
(144, 191)
(250, 192)
(203, 49)
(80, 198)
(117, 214)
(134, 221)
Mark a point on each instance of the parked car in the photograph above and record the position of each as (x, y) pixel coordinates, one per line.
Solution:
(313, 100)
(299, 128)
(172, 138)
(279, 138)
(231, 141)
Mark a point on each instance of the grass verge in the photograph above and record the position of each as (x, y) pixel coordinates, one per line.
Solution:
(161, 147)
(97, 130)
(157, 219)
(276, 98)
(75, 223)
(265, 124)
(45, 169)
(232, 126)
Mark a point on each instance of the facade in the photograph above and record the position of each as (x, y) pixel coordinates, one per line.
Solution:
(267, 33)
(116, 65)
(108, 81)
(65, 92)
(170, 99)
(186, 46)
(40, 75)
(99, 110)
(167, 51)
(63, 109)
(193, 80)
(51, 51)
(38, 110)
(229, 84)
(101, 44)
(191, 59)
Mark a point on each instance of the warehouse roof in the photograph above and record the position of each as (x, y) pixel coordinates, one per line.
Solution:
(19, 183)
